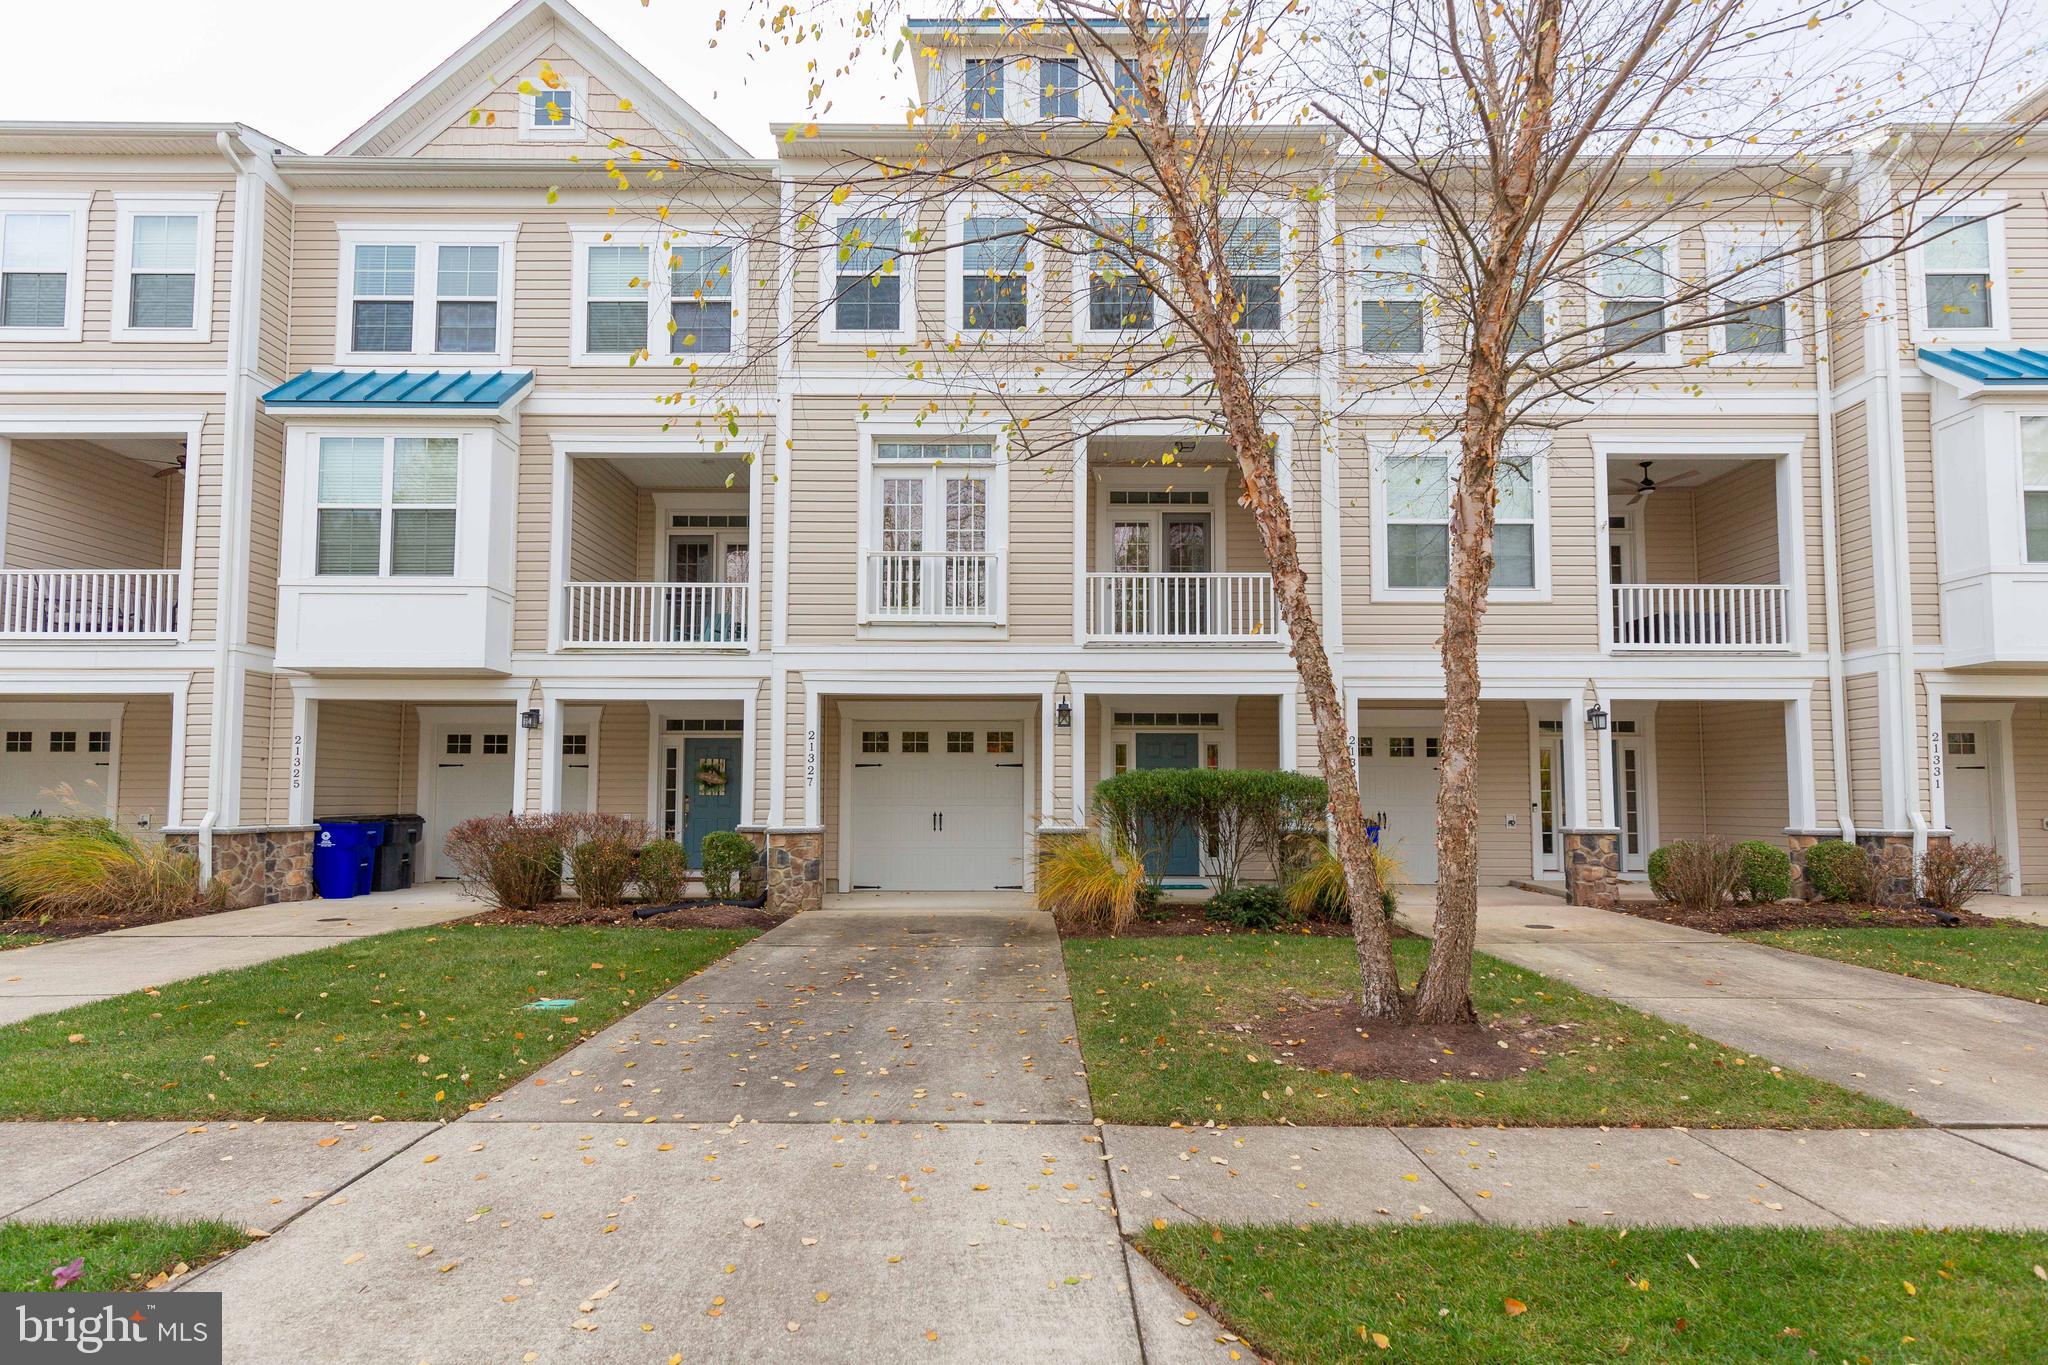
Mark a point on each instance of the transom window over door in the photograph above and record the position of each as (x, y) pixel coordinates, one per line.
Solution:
(386, 506)
(1416, 525)
(932, 522)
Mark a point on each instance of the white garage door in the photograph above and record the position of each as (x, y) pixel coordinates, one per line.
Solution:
(472, 777)
(1397, 783)
(936, 807)
(56, 767)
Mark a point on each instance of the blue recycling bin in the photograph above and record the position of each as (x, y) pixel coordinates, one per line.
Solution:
(345, 857)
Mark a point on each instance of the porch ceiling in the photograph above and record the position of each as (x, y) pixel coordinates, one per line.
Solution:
(1623, 473)
(679, 471)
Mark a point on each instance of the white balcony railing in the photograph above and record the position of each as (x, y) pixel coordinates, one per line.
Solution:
(95, 604)
(654, 615)
(1165, 608)
(1702, 616)
(934, 585)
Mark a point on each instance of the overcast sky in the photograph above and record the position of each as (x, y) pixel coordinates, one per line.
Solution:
(310, 74)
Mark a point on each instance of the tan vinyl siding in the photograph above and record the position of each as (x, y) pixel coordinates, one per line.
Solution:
(366, 759)
(1721, 771)
(1865, 732)
(1258, 733)
(1828, 803)
(274, 313)
(145, 796)
(603, 524)
(266, 528)
(1853, 528)
(1504, 854)
(2030, 792)
(1737, 518)
(74, 505)
(495, 130)
(824, 484)
(1845, 302)
(1921, 545)
(623, 760)
(258, 759)
(828, 773)
(198, 746)
(758, 776)
(1670, 540)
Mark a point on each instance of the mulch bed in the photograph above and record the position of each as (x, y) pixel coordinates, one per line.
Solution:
(1175, 920)
(1336, 1036)
(1740, 919)
(705, 916)
(85, 926)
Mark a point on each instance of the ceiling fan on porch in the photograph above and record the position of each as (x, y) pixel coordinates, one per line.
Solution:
(1647, 485)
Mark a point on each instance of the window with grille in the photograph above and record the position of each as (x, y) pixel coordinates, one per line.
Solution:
(700, 300)
(959, 741)
(1631, 289)
(575, 746)
(917, 741)
(21, 741)
(1956, 273)
(1059, 94)
(466, 299)
(874, 741)
(499, 745)
(457, 745)
(1119, 299)
(994, 274)
(386, 506)
(1417, 521)
(867, 278)
(1390, 292)
(553, 110)
(982, 97)
(99, 741)
(1254, 255)
(615, 304)
(1002, 741)
(384, 280)
(63, 741)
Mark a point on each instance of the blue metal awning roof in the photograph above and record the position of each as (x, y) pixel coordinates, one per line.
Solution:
(1991, 367)
(422, 391)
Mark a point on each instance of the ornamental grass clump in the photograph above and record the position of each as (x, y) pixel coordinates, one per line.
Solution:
(52, 867)
(1092, 885)
(1316, 891)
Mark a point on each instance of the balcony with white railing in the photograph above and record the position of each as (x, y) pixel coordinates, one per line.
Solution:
(655, 615)
(911, 586)
(89, 604)
(1182, 608)
(1702, 617)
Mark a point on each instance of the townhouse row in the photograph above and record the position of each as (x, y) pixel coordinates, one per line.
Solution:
(415, 478)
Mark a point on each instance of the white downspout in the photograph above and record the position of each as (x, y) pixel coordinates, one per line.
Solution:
(1902, 566)
(228, 589)
(1830, 557)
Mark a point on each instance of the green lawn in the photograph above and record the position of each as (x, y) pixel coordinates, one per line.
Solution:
(1154, 1015)
(2006, 960)
(1649, 1294)
(21, 941)
(118, 1255)
(419, 1024)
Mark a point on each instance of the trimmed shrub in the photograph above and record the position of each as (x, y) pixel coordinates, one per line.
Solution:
(1248, 907)
(728, 857)
(513, 862)
(1238, 814)
(1952, 874)
(1315, 888)
(601, 868)
(1838, 871)
(664, 870)
(1766, 872)
(1092, 885)
(1695, 876)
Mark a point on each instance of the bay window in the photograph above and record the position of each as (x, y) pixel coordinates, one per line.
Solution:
(932, 529)
(1631, 289)
(42, 260)
(385, 506)
(1413, 524)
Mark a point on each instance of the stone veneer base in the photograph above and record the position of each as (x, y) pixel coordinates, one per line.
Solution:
(260, 866)
(791, 865)
(1592, 867)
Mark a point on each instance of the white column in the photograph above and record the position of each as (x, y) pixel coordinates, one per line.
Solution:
(1077, 754)
(551, 721)
(1081, 494)
(1288, 738)
(1579, 812)
(1937, 769)
(522, 753)
(1803, 810)
(6, 491)
(305, 743)
(1046, 737)
(778, 738)
(814, 758)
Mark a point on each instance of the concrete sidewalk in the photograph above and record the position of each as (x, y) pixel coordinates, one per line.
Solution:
(77, 971)
(1954, 1057)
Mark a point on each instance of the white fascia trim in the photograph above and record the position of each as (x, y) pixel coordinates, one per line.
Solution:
(1991, 205)
(127, 206)
(78, 207)
(906, 272)
(425, 239)
(1721, 239)
(104, 379)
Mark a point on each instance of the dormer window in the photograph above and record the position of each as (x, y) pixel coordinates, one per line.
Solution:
(983, 96)
(1059, 92)
(557, 113)
(551, 108)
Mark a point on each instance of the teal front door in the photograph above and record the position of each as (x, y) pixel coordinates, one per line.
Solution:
(1182, 856)
(710, 779)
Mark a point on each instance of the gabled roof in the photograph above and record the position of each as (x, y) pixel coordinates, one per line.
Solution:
(481, 64)
(2006, 368)
(410, 390)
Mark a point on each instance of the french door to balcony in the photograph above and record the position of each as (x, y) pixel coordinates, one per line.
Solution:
(1164, 558)
(934, 557)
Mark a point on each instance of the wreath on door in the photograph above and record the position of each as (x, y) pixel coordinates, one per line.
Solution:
(710, 776)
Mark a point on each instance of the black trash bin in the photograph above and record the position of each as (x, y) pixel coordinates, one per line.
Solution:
(397, 855)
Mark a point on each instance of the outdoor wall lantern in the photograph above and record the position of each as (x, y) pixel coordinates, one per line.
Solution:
(1063, 714)
(530, 720)
(1596, 716)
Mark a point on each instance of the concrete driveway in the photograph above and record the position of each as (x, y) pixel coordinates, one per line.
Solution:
(1954, 1057)
(77, 971)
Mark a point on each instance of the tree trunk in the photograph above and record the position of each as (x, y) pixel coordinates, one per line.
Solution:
(1444, 996)
(1212, 312)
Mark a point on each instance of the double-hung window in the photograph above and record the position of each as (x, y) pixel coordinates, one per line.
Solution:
(1631, 293)
(866, 276)
(932, 551)
(385, 278)
(1255, 254)
(1415, 522)
(1125, 90)
(1119, 299)
(2034, 485)
(700, 300)
(615, 306)
(466, 299)
(1754, 276)
(42, 253)
(1959, 259)
(1392, 297)
(982, 95)
(1059, 90)
(995, 262)
(163, 267)
(386, 506)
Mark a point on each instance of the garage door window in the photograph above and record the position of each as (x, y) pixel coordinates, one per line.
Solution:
(458, 745)
(63, 741)
(959, 741)
(21, 742)
(99, 741)
(917, 741)
(1002, 741)
(874, 741)
(498, 744)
